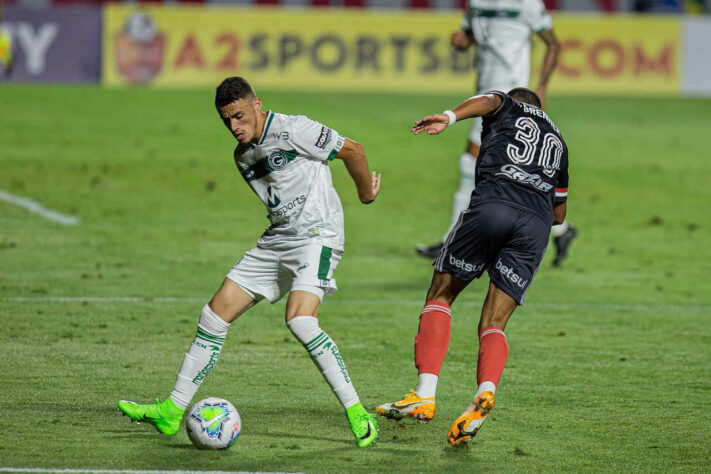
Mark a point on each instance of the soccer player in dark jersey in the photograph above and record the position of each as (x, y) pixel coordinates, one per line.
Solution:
(521, 190)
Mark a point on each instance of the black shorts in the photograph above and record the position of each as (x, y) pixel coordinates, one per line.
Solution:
(508, 242)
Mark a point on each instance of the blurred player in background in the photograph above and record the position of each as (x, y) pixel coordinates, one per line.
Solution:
(501, 32)
(5, 45)
(284, 159)
(521, 189)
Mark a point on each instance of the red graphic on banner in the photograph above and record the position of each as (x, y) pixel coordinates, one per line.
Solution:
(140, 49)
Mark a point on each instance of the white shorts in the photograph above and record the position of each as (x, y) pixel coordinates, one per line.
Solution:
(266, 273)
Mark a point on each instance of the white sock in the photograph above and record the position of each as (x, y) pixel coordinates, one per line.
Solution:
(485, 386)
(467, 168)
(426, 385)
(201, 357)
(558, 230)
(324, 353)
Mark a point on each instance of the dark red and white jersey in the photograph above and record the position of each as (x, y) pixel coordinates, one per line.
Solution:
(523, 159)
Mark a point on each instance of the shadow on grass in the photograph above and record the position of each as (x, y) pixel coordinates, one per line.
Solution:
(278, 435)
(380, 446)
(126, 434)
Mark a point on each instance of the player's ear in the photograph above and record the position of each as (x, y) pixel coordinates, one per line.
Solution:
(257, 104)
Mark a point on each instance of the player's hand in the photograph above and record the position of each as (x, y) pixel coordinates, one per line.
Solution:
(374, 188)
(460, 40)
(432, 124)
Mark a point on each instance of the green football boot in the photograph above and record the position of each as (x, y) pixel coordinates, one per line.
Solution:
(165, 416)
(363, 424)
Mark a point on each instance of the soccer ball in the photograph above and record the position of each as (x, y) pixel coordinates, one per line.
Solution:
(213, 423)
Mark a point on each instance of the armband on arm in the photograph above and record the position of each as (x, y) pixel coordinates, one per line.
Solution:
(452, 117)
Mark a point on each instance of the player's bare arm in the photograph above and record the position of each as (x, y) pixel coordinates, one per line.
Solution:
(550, 60)
(367, 182)
(559, 212)
(477, 106)
(461, 40)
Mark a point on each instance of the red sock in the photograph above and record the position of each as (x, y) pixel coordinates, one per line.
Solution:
(493, 352)
(432, 340)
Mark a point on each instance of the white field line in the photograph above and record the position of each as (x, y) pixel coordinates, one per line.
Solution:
(39, 209)
(356, 302)
(114, 471)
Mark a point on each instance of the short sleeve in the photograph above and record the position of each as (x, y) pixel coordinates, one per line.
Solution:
(505, 102)
(561, 187)
(311, 138)
(536, 17)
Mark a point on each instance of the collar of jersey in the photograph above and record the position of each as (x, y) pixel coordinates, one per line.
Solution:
(267, 123)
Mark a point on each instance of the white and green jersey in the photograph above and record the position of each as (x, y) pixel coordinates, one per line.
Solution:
(288, 170)
(502, 30)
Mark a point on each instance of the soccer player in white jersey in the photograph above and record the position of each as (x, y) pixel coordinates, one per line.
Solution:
(284, 159)
(501, 32)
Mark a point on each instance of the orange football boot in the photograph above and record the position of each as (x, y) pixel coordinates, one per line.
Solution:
(413, 406)
(467, 425)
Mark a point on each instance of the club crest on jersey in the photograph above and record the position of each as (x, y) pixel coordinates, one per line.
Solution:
(277, 161)
(273, 199)
(515, 173)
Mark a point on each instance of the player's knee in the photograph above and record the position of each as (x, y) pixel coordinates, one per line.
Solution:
(304, 300)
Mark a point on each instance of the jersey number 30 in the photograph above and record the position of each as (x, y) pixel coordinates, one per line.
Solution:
(528, 135)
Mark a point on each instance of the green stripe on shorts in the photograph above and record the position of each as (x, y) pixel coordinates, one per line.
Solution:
(325, 264)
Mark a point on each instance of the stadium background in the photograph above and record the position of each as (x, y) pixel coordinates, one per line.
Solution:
(609, 367)
(398, 48)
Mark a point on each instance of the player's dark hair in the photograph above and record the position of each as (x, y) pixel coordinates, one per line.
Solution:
(233, 89)
(522, 94)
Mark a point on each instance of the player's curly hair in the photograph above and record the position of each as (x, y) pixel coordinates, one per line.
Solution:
(522, 94)
(231, 90)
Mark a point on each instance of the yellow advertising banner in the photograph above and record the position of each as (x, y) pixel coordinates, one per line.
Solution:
(615, 55)
(368, 50)
(312, 49)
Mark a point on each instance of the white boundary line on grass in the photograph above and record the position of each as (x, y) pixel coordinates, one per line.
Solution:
(114, 471)
(356, 302)
(37, 208)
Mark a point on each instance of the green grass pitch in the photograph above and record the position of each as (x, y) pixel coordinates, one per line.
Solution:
(609, 367)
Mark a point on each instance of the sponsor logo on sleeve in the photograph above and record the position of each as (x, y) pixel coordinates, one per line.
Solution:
(324, 137)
